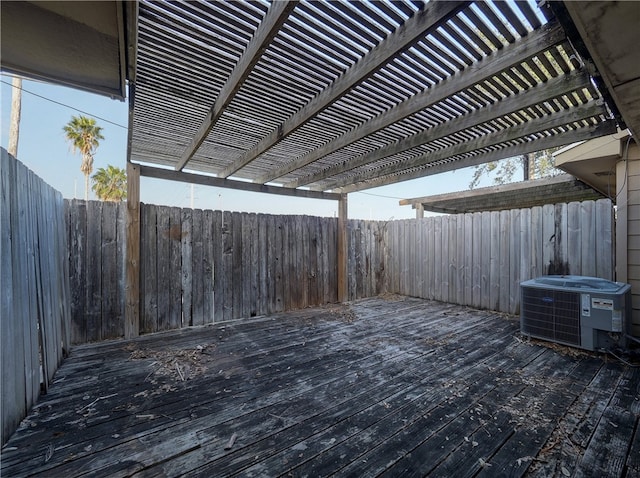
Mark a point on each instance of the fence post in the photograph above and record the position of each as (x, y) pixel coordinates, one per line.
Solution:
(132, 286)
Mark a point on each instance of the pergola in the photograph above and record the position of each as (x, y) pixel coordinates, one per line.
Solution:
(320, 99)
(340, 97)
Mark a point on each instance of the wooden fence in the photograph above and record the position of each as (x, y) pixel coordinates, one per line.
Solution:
(97, 245)
(203, 266)
(480, 259)
(34, 279)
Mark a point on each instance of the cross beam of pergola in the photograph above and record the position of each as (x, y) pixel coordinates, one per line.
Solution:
(319, 99)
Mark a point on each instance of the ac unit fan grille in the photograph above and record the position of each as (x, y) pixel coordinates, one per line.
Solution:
(551, 314)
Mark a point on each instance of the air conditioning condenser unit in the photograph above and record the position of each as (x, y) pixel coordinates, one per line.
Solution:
(585, 312)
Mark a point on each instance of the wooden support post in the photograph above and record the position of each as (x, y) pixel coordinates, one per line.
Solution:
(132, 287)
(342, 249)
(419, 211)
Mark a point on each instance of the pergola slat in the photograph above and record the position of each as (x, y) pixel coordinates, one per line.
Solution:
(546, 142)
(414, 29)
(531, 97)
(268, 29)
(491, 65)
(530, 127)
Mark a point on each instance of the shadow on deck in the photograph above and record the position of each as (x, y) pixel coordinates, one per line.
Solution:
(388, 386)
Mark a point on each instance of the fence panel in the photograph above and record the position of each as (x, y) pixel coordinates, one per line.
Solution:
(34, 285)
(490, 253)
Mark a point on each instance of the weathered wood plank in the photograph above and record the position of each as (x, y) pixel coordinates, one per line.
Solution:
(94, 295)
(605, 246)
(312, 253)
(588, 229)
(110, 306)
(279, 231)
(236, 277)
(263, 264)
(132, 287)
(437, 258)
(218, 240)
(494, 262)
(175, 269)
(121, 268)
(342, 268)
(152, 250)
(198, 264)
(536, 242)
(163, 238)
(16, 372)
(515, 240)
(210, 239)
(186, 266)
(485, 260)
(574, 242)
(477, 260)
(468, 252)
(77, 269)
(460, 272)
(505, 282)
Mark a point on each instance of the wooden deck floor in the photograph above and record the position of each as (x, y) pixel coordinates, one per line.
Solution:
(381, 387)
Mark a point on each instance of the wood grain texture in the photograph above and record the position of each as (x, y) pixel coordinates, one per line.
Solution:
(398, 389)
(35, 301)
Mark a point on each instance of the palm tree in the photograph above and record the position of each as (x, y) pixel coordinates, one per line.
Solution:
(84, 136)
(110, 184)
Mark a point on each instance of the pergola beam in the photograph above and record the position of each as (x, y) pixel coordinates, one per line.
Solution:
(540, 93)
(404, 37)
(533, 126)
(554, 141)
(274, 19)
(180, 176)
(534, 43)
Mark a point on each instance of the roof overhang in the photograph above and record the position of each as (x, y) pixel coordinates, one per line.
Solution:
(594, 161)
(525, 194)
(79, 44)
(608, 34)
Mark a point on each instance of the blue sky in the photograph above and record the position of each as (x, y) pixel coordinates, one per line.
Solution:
(42, 147)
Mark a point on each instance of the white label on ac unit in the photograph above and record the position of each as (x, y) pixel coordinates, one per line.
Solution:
(586, 305)
(599, 303)
(616, 321)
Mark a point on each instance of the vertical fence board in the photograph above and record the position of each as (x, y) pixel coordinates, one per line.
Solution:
(163, 268)
(77, 269)
(210, 247)
(198, 276)
(574, 239)
(186, 264)
(110, 305)
(175, 280)
(515, 234)
(588, 227)
(504, 285)
(604, 239)
(151, 254)
(94, 270)
(227, 273)
(218, 241)
(536, 242)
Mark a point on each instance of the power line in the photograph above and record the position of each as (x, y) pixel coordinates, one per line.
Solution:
(66, 106)
(378, 195)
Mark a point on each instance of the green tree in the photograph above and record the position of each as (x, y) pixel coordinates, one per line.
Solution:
(534, 166)
(110, 184)
(84, 135)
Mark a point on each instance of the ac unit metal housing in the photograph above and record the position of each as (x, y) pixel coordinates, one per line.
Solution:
(580, 311)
